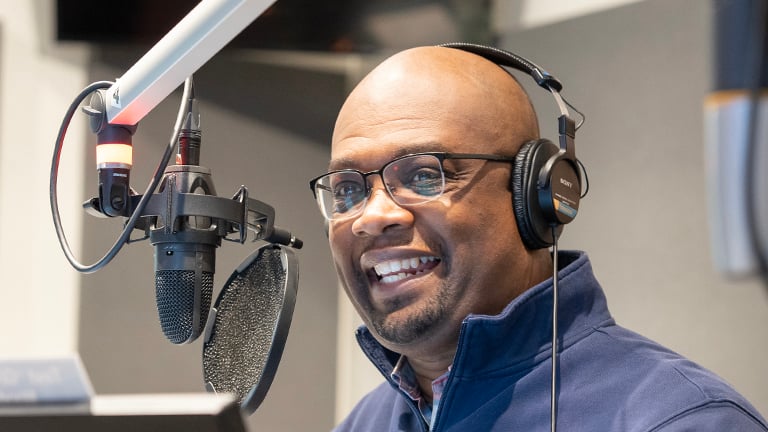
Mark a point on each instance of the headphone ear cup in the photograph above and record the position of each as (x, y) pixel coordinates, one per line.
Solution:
(535, 230)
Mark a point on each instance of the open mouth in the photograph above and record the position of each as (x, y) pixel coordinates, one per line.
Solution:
(396, 270)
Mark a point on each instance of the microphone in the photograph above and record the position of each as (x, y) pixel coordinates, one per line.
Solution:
(185, 247)
(186, 233)
(185, 220)
(185, 260)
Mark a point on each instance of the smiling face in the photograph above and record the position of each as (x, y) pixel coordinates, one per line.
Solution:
(414, 273)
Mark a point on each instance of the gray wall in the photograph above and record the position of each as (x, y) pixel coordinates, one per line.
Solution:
(265, 127)
(640, 73)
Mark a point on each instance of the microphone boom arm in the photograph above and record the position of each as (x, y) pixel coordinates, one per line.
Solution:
(205, 30)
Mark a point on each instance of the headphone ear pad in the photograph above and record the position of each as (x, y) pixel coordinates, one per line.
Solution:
(532, 225)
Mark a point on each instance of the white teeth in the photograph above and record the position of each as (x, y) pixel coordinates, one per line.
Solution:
(390, 279)
(394, 278)
(382, 268)
(392, 269)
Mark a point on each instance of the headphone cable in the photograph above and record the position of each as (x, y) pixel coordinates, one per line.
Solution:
(555, 295)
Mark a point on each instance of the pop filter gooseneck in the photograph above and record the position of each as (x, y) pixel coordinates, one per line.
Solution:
(248, 326)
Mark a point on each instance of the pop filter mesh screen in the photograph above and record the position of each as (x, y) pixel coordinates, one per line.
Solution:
(252, 317)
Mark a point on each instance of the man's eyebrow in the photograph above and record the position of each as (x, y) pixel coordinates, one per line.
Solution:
(355, 162)
(341, 163)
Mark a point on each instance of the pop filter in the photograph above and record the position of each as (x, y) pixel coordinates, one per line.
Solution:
(248, 326)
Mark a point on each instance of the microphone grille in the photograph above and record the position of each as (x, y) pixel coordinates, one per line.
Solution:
(253, 313)
(177, 297)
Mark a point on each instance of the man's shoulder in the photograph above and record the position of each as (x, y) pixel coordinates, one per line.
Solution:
(381, 408)
(650, 384)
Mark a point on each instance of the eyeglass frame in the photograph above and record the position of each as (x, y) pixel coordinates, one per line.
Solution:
(441, 157)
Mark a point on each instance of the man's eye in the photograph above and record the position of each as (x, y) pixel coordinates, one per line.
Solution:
(347, 195)
(425, 181)
(346, 189)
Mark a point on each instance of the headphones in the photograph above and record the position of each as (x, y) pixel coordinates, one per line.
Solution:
(546, 181)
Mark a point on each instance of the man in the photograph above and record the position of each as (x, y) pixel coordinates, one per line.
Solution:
(457, 310)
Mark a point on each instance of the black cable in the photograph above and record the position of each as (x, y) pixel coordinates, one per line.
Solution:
(555, 297)
(581, 114)
(157, 177)
(586, 178)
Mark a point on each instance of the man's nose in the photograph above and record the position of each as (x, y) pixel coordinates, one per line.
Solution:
(381, 213)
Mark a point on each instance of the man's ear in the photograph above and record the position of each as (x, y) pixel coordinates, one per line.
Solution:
(326, 227)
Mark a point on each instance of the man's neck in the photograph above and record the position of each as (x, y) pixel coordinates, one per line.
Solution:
(429, 370)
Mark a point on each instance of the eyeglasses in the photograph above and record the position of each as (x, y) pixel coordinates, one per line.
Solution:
(409, 180)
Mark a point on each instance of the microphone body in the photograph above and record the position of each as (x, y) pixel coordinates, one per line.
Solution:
(185, 257)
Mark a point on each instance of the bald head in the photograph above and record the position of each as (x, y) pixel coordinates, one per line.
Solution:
(452, 85)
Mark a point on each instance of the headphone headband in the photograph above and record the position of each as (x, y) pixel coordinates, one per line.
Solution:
(566, 125)
(506, 58)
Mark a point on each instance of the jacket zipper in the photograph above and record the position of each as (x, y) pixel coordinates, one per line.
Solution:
(448, 387)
